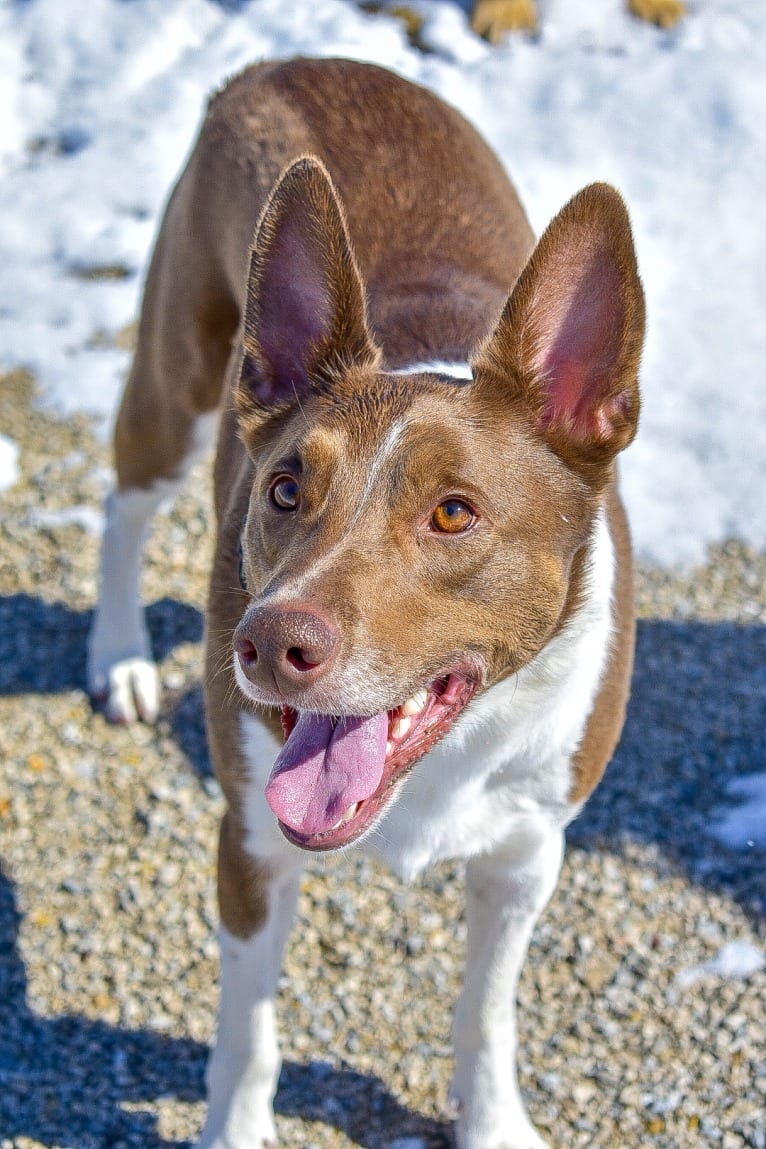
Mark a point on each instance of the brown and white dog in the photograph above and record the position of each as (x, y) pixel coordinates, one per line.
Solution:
(419, 629)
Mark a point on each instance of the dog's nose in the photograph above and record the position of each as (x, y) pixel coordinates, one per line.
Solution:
(289, 647)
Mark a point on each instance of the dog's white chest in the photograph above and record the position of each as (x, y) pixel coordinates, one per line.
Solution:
(498, 775)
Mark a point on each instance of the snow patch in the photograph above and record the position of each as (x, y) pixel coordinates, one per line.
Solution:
(744, 826)
(9, 463)
(87, 518)
(735, 960)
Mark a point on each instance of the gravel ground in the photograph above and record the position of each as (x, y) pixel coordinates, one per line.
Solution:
(107, 915)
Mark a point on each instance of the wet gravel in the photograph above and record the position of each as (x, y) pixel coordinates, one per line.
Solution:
(108, 960)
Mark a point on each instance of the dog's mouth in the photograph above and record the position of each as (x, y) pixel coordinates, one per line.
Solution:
(335, 775)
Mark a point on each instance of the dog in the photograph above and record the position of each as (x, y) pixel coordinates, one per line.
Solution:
(420, 627)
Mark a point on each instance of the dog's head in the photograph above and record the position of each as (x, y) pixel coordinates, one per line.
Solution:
(412, 539)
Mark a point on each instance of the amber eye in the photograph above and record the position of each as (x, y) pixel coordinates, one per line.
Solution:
(452, 517)
(285, 493)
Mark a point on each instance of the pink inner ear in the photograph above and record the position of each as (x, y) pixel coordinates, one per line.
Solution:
(295, 308)
(579, 349)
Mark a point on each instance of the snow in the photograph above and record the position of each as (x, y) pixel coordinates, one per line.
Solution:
(744, 826)
(736, 960)
(80, 515)
(99, 102)
(9, 462)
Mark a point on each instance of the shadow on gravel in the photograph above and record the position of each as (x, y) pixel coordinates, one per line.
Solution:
(63, 1079)
(187, 721)
(43, 645)
(696, 720)
(66, 1081)
(359, 1104)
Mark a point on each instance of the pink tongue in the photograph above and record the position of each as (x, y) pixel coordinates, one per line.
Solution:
(325, 767)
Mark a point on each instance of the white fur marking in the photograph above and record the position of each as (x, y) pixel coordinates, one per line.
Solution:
(244, 1066)
(384, 452)
(121, 671)
(436, 367)
(505, 894)
(260, 748)
(120, 667)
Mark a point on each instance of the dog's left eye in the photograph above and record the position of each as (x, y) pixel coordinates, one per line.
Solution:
(452, 517)
(285, 493)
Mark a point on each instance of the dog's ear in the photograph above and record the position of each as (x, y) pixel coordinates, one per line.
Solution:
(566, 349)
(305, 315)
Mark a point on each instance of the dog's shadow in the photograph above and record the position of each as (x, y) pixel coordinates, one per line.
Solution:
(73, 1081)
(695, 723)
(43, 645)
(63, 1078)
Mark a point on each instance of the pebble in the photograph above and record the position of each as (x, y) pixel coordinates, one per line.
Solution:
(108, 957)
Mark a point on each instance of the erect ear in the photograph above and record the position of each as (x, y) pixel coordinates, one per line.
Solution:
(305, 313)
(568, 343)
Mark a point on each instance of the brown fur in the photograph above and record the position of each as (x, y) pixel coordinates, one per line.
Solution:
(241, 878)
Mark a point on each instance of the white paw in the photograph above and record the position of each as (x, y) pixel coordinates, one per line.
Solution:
(524, 1136)
(127, 690)
(520, 1139)
(516, 1132)
(263, 1141)
(259, 1134)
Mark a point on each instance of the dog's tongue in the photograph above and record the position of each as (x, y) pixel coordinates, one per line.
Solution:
(325, 766)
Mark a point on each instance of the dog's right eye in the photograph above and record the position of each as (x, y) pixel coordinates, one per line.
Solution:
(285, 494)
(452, 517)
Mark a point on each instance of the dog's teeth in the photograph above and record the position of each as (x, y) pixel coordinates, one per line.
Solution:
(400, 728)
(415, 704)
(345, 817)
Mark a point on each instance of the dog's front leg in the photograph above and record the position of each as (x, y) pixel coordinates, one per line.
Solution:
(505, 894)
(244, 1066)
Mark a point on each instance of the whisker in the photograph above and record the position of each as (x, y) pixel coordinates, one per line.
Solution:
(300, 406)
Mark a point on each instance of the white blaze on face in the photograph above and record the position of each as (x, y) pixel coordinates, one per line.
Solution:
(392, 439)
